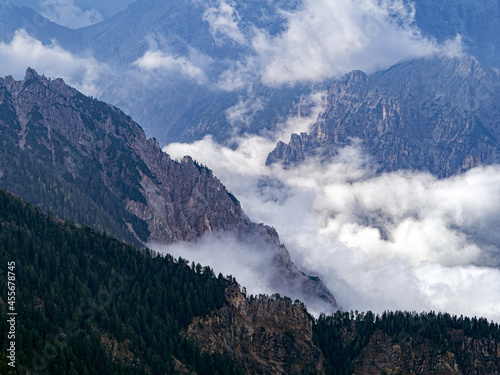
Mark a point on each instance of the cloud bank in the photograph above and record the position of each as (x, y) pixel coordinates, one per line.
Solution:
(24, 51)
(399, 240)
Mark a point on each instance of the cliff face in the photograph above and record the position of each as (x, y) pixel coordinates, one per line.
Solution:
(97, 147)
(437, 115)
(87, 161)
(418, 355)
(267, 335)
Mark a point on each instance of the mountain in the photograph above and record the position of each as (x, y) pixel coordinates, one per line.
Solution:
(181, 99)
(407, 343)
(14, 18)
(87, 161)
(103, 154)
(439, 115)
(268, 334)
(173, 104)
(93, 305)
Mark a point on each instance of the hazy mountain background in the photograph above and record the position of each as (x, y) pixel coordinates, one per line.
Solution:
(388, 225)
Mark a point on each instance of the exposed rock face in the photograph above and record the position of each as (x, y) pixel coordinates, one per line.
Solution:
(290, 280)
(382, 355)
(89, 141)
(267, 335)
(87, 161)
(418, 355)
(437, 115)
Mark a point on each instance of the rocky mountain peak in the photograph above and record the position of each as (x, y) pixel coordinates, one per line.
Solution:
(434, 114)
(89, 162)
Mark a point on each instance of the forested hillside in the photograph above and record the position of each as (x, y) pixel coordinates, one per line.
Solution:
(89, 304)
(408, 343)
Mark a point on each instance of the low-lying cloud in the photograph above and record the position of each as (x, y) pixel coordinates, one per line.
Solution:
(227, 253)
(401, 240)
(24, 51)
(160, 60)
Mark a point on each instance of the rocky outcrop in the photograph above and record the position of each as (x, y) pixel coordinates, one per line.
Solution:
(419, 355)
(98, 147)
(267, 335)
(439, 115)
(289, 280)
(87, 161)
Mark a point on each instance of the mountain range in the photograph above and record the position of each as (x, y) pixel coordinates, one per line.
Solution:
(92, 304)
(413, 87)
(181, 97)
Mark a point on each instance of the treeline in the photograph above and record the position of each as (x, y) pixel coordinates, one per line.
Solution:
(343, 335)
(89, 304)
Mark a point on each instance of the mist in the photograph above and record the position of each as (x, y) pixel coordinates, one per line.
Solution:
(401, 240)
(23, 51)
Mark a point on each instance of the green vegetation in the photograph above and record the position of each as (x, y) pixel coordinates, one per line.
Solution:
(90, 202)
(342, 336)
(89, 304)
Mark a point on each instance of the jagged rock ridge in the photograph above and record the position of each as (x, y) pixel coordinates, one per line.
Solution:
(439, 115)
(87, 161)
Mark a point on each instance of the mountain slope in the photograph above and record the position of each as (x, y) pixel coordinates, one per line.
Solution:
(14, 18)
(474, 20)
(438, 115)
(87, 161)
(103, 152)
(93, 305)
(179, 99)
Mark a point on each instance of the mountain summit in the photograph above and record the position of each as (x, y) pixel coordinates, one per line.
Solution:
(87, 161)
(439, 115)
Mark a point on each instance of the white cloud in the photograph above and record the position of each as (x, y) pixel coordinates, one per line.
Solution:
(24, 51)
(243, 112)
(392, 241)
(223, 23)
(327, 38)
(159, 60)
(66, 13)
(227, 253)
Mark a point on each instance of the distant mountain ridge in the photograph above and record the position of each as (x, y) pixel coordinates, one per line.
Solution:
(173, 107)
(474, 20)
(87, 161)
(439, 115)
